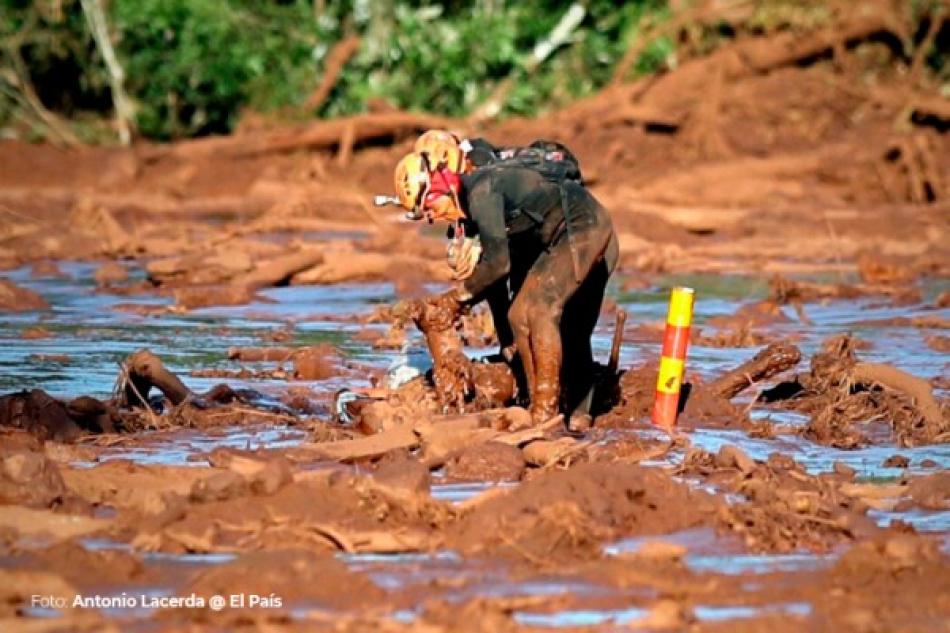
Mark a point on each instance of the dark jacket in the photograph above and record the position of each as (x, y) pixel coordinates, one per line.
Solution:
(506, 202)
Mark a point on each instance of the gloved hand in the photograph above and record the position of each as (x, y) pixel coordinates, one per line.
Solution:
(458, 295)
(463, 257)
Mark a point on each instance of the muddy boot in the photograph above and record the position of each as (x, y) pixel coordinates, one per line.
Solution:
(580, 423)
(544, 401)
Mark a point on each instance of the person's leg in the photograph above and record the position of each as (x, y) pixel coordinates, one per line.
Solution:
(577, 327)
(546, 289)
(518, 318)
(499, 302)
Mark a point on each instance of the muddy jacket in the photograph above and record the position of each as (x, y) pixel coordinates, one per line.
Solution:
(504, 203)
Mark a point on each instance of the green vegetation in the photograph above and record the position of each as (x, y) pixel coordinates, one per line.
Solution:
(192, 66)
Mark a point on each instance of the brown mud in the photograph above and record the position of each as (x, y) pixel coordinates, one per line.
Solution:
(811, 161)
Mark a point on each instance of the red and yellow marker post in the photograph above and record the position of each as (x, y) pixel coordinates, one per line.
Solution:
(673, 361)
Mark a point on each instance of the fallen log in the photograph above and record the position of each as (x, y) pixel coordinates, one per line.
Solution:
(321, 135)
(769, 362)
(759, 55)
(917, 389)
(359, 448)
(144, 370)
(279, 270)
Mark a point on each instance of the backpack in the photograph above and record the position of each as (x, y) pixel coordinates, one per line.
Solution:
(552, 160)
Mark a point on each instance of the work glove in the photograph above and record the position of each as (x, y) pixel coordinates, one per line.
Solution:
(458, 295)
(463, 257)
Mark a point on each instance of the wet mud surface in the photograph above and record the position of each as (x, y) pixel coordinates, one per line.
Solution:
(744, 520)
(303, 448)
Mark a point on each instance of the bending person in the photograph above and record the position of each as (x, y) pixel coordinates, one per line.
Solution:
(549, 247)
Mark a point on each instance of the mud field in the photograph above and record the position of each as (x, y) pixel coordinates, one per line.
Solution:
(216, 378)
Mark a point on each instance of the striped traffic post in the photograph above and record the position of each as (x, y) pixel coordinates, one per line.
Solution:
(673, 361)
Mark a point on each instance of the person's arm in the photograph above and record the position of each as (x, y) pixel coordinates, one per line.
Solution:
(486, 208)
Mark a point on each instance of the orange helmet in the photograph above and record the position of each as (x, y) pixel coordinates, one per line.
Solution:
(411, 180)
(443, 150)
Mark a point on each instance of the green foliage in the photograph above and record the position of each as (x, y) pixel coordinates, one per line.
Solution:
(192, 65)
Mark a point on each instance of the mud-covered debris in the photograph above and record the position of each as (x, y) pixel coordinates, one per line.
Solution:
(566, 514)
(844, 396)
(35, 332)
(766, 364)
(38, 413)
(110, 273)
(896, 461)
(219, 487)
(194, 297)
(257, 354)
(840, 468)
(731, 456)
(28, 478)
(548, 452)
(144, 370)
(931, 492)
(318, 362)
(407, 475)
(14, 298)
(489, 461)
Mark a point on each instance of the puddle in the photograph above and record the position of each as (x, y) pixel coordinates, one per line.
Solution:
(580, 617)
(713, 613)
(632, 615)
(708, 552)
(87, 327)
(184, 447)
(867, 462)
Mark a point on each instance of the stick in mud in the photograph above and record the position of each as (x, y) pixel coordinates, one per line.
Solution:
(769, 362)
(614, 360)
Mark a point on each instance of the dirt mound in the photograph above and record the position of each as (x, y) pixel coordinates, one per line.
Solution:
(32, 480)
(288, 575)
(566, 515)
(491, 461)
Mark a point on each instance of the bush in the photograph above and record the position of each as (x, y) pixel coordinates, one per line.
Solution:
(192, 65)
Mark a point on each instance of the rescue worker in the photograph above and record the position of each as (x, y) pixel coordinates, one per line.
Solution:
(547, 247)
(443, 149)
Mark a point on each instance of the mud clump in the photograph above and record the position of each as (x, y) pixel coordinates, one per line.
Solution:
(842, 393)
(490, 461)
(110, 274)
(931, 492)
(35, 333)
(14, 298)
(460, 384)
(894, 569)
(406, 475)
(316, 363)
(637, 388)
(785, 509)
(38, 413)
(194, 297)
(566, 515)
(32, 480)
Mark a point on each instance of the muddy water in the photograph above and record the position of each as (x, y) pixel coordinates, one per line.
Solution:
(95, 336)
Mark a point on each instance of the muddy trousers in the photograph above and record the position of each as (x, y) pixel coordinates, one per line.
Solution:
(553, 316)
